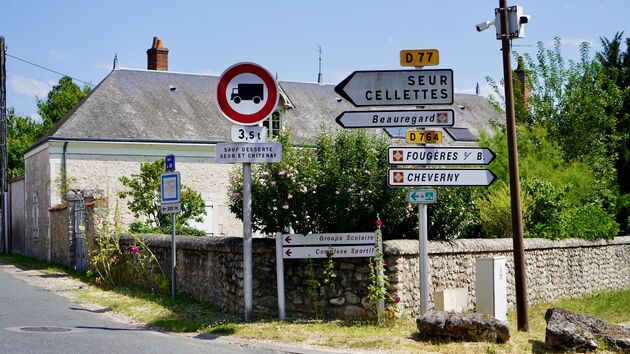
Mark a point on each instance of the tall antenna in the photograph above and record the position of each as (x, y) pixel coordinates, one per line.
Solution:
(319, 74)
(115, 62)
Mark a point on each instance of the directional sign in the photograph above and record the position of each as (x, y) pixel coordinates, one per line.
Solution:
(330, 239)
(247, 93)
(173, 208)
(397, 87)
(170, 188)
(396, 118)
(248, 153)
(419, 57)
(422, 196)
(439, 177)
(334, 251)
(439, 156)
(423, 136)
(248, 134)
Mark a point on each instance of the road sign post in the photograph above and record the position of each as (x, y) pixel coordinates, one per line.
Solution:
(170, 189)
(247, 94)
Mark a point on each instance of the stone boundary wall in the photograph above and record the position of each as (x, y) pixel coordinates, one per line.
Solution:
(210, 268)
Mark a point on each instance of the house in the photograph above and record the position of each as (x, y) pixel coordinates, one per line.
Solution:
(134, 116)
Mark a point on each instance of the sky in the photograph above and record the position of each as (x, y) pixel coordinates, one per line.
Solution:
(80, 38)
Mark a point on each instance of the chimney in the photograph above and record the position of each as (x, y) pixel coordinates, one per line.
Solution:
(523, 81)
(157, 56)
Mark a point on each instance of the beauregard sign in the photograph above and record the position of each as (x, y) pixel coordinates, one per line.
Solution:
(248, 153)
(396, 118)
(398, 87)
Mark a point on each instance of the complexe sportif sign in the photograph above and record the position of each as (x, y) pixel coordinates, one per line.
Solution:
(398, 87)
(396, 118)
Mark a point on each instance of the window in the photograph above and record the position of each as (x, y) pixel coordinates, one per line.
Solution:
(35, 215)
(206, 223)
(274, 124)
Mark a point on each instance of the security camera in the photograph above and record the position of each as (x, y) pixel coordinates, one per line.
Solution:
(484, 26)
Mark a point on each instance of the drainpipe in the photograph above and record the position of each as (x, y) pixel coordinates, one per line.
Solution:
(63, 163)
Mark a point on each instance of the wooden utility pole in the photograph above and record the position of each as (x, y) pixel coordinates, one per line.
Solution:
(520, 272)
(4, 241)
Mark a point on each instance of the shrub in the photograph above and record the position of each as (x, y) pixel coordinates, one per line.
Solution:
(495, 211)
(454, 214)
(586, 222)
(623, 212)
(336, 185)
(137, 227)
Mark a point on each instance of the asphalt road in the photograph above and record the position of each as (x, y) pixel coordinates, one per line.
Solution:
(36, 320)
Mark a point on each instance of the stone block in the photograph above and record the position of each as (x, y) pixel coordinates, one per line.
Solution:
(468, 327)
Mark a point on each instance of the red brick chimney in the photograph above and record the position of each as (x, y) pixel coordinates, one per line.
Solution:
(157, 56)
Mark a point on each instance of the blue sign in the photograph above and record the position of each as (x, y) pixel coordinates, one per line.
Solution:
(170, 163)
(170, 188)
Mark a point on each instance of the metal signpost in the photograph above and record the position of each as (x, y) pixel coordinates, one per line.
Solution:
(170, 191)
(247, 94)
(335, 245)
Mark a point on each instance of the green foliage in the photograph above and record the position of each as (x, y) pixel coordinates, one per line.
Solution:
(454, 215)
(623, 212)
(138, 227)
(336, 186)
(22, 132)
(111, 263)
(144, 194)
(61, 99)
(548, 201)
(586, 222)
(495, 212)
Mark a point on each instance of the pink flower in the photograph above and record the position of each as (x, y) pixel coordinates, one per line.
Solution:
(303, 189)
(115, 260)
(397, 299)
(378, 223)
(134, 249)
(286, 206)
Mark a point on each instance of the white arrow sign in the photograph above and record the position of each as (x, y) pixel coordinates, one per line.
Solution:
(439, 177)
(439, 156)
(397, 87)
(330, 239)
(398, 118)
(335, 252)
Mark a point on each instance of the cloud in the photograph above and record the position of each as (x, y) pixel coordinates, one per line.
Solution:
(574, 42)
(57, 55)
(484, 90)
(29, 87)
(36, 117)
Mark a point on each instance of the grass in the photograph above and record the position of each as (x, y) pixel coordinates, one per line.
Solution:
(188, 315)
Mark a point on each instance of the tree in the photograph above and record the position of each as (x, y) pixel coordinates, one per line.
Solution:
(22, 132)
(616, 65)
(62, 98)
(145, 198)
(337, 185)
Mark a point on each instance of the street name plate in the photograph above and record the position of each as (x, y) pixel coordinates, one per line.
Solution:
(423, 136)
(419, 57)
(396, 118)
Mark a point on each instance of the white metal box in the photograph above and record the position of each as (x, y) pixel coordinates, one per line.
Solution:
(491, 287)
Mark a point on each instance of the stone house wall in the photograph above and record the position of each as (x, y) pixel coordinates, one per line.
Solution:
(210, 268)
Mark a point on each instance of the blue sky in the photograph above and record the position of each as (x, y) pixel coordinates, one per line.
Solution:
(80, 38)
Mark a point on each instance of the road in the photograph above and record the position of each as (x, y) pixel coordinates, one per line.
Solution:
(36, 320)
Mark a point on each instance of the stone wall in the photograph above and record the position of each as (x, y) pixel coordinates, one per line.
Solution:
(210, 268)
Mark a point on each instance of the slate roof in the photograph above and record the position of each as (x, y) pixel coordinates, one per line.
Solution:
(141, 105)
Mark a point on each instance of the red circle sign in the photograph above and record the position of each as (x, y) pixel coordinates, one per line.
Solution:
(247, 93)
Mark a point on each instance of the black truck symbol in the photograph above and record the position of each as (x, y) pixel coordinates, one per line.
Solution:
(247, 92)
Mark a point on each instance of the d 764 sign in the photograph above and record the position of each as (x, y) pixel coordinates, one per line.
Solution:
(423, 136)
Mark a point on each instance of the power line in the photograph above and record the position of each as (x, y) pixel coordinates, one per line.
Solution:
(51, 70)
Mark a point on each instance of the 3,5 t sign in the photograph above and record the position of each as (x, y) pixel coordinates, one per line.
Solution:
(248, 134)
